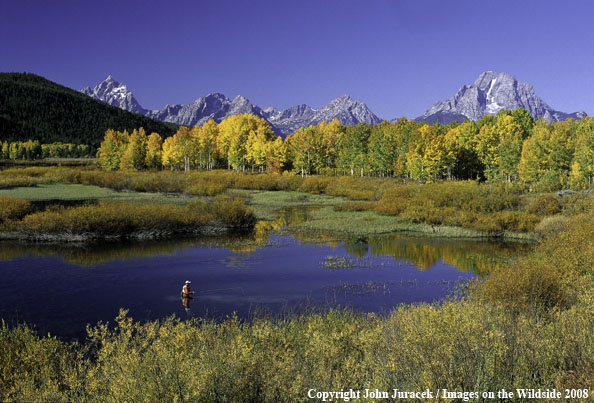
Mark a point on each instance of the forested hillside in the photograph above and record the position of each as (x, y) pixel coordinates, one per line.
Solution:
(33, 108)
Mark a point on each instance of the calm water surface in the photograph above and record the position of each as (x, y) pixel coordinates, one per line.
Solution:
(61, 288)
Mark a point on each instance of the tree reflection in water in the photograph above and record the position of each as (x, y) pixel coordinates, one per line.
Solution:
(478, 256)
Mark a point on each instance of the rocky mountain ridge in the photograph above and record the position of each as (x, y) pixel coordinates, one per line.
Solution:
(217, 107)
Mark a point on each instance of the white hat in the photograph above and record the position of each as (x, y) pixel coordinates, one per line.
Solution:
(188, 282)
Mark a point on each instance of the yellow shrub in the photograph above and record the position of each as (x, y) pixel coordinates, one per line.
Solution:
(543, 204)
(13, 209)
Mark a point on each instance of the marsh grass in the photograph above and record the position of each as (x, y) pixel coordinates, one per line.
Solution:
(339, 262)
(59, 191)
(266, 204)
(364, 289)
(347, 262)
(327, 219)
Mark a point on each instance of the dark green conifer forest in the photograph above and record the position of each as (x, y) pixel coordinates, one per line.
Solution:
(34, 108)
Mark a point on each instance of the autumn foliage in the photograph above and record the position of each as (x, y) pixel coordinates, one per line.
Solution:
(510, 147)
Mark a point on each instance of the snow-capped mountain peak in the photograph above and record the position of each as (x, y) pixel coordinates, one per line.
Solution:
(114, 93)
(490, 93)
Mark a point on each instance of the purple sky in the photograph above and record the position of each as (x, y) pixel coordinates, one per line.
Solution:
(399, 57)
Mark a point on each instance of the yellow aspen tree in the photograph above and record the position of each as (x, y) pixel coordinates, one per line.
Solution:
(533, 161)
(112, 148)
(135, 154)
(509, 149)
(208, 142)
(331, 134)
(415, 157)
(228, 129)
(487, 142)
(257, 144)
(276, 155)
(153, 151)
(171, 156)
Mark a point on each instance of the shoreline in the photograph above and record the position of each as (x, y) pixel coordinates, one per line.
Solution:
(462, 234)
(142, 235)
(370, 223)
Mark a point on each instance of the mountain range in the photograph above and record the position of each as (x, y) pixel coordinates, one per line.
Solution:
(217, 107)
(490, 93)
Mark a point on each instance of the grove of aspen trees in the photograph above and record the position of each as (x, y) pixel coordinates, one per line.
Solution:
(509, 147)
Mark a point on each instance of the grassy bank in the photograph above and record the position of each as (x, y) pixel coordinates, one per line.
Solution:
(19, 219)
(527, 326)
(363, 223)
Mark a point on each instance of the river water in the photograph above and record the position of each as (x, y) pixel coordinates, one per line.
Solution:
(60, 288)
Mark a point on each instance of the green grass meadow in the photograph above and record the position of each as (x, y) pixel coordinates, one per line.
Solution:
(60, 191)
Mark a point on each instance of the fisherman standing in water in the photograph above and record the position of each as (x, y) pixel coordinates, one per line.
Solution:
(186, 289)
(186, 296)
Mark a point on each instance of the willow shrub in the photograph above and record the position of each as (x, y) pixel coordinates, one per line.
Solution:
(357, 188)
(315, 184)
(505, 221)
(551, 226)
(464, 345)
(39, 369)
(395, 200)
(571, 250)
(121, 220)
(23, 177)
(231, 361)
(13, 209)
(206, 188)
(528, 286)
(491, 208)
(469, 345)
(577, 203)
(543, 204)
(151, 181)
